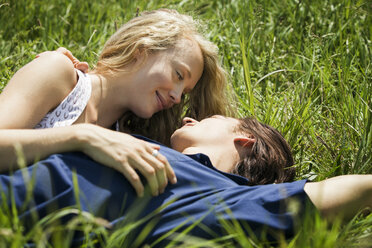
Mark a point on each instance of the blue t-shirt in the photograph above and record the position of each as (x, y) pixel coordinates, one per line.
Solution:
(204, 198)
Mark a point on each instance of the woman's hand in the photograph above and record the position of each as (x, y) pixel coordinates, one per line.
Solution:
(82, 66)
(127, 154)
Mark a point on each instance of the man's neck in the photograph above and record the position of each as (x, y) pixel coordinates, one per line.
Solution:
(221, 159)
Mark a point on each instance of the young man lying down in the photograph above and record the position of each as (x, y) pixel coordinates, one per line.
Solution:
(227, 170)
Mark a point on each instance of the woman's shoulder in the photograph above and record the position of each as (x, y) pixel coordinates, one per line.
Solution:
(55, 73)
(38, 87)
(57, 66)
(52, 72)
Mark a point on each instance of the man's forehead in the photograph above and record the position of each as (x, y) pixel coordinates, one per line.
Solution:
(226, 118)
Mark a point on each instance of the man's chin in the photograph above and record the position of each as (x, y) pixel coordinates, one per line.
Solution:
(175, 142)
(172, 140)
(178, 143)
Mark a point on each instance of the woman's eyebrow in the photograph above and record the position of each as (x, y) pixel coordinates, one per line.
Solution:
(188, 72)
(184, 68)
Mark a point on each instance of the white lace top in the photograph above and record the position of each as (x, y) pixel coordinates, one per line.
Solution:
(69, 110)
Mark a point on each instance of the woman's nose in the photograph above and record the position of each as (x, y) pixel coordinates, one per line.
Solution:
(175, 98)
(176, 94)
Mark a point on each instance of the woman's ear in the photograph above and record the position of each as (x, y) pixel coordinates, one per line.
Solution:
(245, 141)
(139, 56)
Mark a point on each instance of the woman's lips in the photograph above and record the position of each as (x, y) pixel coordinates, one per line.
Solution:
(161, 102)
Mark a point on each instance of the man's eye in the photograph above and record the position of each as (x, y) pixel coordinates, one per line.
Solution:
(179, 76)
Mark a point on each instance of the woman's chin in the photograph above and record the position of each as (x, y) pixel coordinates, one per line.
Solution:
(144, 114)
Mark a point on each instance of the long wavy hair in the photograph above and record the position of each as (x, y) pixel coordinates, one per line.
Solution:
(269, 160)
(155, 31)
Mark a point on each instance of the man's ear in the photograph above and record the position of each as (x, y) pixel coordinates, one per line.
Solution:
(243, 141)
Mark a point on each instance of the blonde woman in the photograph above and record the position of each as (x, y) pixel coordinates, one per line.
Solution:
(147, 66)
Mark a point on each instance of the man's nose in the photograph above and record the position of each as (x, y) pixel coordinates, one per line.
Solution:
(186, 120)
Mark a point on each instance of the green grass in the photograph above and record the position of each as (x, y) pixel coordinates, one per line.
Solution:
(299, 65)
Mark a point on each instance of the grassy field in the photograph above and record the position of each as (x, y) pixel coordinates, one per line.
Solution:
(299, 65)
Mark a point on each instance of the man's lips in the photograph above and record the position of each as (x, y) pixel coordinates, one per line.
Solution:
(189, 124)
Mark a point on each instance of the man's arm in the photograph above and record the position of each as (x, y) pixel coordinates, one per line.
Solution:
(341, 196)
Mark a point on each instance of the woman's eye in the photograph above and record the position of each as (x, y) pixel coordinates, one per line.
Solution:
(179, 75)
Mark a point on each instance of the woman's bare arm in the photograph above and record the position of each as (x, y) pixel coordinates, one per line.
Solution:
(38, 88)
(119, 151)
(34, 144)
(31, 93)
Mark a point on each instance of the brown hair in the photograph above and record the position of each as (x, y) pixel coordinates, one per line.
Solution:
(269, 160)
(158, 30)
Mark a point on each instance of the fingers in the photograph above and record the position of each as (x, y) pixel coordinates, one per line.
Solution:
(67, 53)
(131, 157)
(151, 173)
(133, 178)
(164, 170)
(156, 170)
(82, 66)
(169, 172)
(168, 168)
(42, 54)
(161, 176)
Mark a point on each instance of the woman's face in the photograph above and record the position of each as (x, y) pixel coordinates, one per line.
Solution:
(164, 76)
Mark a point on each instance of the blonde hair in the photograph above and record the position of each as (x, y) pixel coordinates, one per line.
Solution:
(159, 30)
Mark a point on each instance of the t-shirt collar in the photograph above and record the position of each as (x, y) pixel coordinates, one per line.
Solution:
(204, 159)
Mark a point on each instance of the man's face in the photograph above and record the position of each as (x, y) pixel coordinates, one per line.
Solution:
(216, 130)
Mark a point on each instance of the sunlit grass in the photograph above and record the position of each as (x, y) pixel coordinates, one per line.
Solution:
(301, 66)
